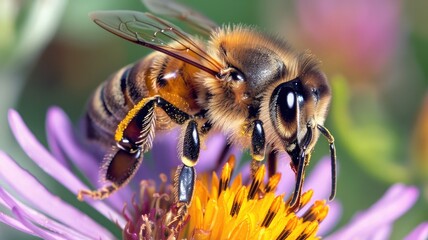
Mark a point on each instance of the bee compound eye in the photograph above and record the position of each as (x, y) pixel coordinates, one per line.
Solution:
(283, 110)
(287, 104)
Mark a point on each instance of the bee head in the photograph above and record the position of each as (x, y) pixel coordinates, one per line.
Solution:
(299, 104)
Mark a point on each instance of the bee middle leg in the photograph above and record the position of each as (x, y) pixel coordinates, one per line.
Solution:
(258, 146)
(185, 177)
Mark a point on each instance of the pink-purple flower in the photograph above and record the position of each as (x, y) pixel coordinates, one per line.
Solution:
(33, 209)
(358, 36)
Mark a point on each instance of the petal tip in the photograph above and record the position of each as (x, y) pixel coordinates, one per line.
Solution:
(54, 111)
(15, 120)
(12, 114)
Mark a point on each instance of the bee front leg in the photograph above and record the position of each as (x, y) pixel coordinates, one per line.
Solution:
(258, 145)
(134, 136)
(300, 161)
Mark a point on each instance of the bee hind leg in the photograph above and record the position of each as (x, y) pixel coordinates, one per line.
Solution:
(98, 194)
(134, 136)
(119, 167)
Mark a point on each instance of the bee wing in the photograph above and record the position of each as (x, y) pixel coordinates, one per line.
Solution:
(181, 12)
(158, 34)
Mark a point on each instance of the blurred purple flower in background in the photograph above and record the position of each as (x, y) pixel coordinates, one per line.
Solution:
(377, 221)
(38, 212)
(360, 37)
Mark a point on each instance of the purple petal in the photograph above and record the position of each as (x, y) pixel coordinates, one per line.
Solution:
(235, 151)
(287, 182)
(419, 233)
(332, 219)
(53, 143)
(392, 205)
(382, 233)
(51, 166)
(164, 156)
(209, 158)
(393, 192)
(14, 223)
(319, 179)
(43, 233)
(62, 138)
(245, 172)
(28, 187)
(320, 174)
(27, 216)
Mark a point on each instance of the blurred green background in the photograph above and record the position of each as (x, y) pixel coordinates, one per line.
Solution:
(375, 54)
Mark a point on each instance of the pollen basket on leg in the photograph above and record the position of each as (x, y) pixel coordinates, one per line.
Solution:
(121, 166)
(123, 125)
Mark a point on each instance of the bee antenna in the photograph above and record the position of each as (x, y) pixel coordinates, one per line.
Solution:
(330, 139)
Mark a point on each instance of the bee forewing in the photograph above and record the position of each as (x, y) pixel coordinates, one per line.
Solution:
(181, 12)
(153, 32)
(137, 26)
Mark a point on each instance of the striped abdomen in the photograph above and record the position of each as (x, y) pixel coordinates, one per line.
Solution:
(157, 74)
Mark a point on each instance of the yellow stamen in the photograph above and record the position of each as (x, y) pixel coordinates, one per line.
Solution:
(298, 230)
(317, 212)
(237, 183)
(210, 215)
(262, 234)
(198, 218)
(237, 201)
(306, 197)
(291, 224)
(225, 178)
(231, 162)
(273, 210)
(273, 183)
(248, 211)
(214, 183)
(309, 231)
(242, 231)
(257, 181)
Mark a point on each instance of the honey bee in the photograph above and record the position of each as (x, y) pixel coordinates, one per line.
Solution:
(249, 85)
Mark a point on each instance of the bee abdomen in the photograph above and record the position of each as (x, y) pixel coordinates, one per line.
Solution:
(113, 99)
